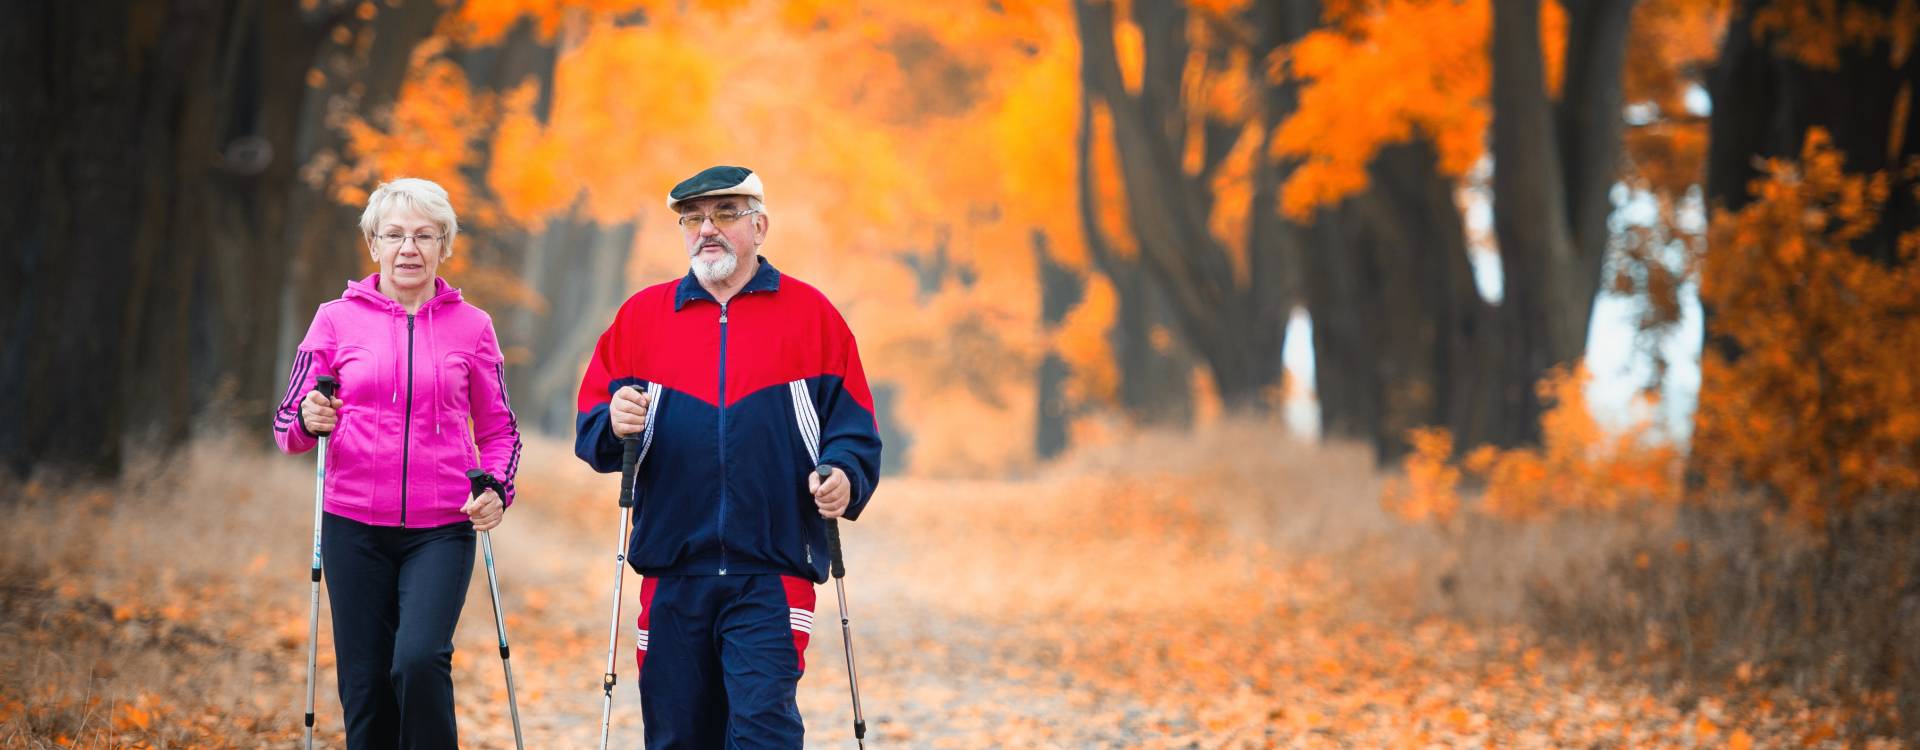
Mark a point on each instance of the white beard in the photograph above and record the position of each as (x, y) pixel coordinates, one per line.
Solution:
(716, 270)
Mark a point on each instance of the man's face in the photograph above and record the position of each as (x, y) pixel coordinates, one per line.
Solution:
(726, 241)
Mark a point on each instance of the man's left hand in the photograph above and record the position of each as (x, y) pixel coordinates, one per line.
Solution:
(833, 495)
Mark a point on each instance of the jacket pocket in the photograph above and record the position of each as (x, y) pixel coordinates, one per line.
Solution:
(351, 474)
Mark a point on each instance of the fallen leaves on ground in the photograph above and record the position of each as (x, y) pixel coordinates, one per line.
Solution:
(1231, 597)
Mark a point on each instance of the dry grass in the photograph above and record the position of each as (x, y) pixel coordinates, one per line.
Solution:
(1709, 602)
(1228, 589)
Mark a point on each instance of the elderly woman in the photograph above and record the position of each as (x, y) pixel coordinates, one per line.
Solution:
(414, 364)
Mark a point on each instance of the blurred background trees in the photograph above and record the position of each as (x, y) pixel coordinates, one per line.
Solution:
(1047, 221)
(1421, 225)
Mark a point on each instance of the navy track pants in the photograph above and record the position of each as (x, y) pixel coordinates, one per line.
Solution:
(720, 659)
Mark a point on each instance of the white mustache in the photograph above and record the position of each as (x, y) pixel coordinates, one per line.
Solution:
(720, 240)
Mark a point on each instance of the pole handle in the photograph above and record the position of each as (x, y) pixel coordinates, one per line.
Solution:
(478, 481)
(327, 385)
(630, 457)
(839, 564)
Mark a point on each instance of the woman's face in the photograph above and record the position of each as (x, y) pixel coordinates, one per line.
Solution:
(411, 262)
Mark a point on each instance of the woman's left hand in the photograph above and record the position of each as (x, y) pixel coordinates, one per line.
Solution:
(485, 509)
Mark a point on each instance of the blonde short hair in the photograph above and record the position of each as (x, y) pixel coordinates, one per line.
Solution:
(423, 196)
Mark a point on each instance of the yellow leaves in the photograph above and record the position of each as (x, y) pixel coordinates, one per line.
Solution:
(622, 96)
(1429, 487)
(129, 717)
(1072, 608)
(1670, 40)
(1399, 70)
(526, 168)
(1220, 8)
(1814, 32)
(1081, 341)
(1109, 193)
(1821, 407)
(486, 22)
(1578, 467)
(881, 129)
(1226, 94)
(1129, 47)
(1033, 132)
(431, 132)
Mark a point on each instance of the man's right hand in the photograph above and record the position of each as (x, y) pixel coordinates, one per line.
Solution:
(319, 414)
(628, 412)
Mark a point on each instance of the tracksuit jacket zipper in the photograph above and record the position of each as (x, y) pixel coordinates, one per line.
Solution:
(720, 530)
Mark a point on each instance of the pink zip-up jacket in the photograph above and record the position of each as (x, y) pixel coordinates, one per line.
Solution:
(401, 449)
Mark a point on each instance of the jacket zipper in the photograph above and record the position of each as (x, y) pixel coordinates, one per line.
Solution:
(406, 433)
(720, 530)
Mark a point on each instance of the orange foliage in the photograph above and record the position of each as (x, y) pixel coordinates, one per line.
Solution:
(484, 22)
(1672, 42)
(1578, 467)
(1232, 186)
(1110, 201)
(1174, 591)
(1822, 404)
(1033, 130)
(433, 131)
(1081, 341)
(1665, 151)
(1815, 31)
(597, 143)
(1388, 72)
(525, 169)
(889, 134)
(1429, 489)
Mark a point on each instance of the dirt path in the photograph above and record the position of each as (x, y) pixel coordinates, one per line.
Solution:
(1243, 604)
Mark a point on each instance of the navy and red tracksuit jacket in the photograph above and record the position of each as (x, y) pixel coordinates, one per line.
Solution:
(747, 398)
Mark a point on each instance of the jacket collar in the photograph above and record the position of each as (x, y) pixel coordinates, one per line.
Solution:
(368, 290)
(765, 279)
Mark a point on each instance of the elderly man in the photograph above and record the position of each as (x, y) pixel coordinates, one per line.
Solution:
(739, 380)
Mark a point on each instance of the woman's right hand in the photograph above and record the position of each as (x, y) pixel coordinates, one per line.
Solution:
(319, 414)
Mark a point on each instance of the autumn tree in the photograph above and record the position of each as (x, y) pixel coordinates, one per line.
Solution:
(1392, 117)
(1809, 277)
(167, 231)
(1202, 251)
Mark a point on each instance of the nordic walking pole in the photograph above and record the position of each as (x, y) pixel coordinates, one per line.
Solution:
(628, 459)
(327, 386)
(479, 481)
(846, 631)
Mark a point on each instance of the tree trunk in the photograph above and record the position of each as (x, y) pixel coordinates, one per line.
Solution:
(1399, 326)
(71, 209)
(1764, 104)
(1153, 388)
(1552, 171)
(1061, 288)
(1233, 320)
(580, 267)
(146, 151)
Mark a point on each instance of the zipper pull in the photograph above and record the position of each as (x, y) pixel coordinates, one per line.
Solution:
(723, 313)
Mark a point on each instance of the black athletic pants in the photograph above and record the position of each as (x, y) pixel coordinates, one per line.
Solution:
(396, 595)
